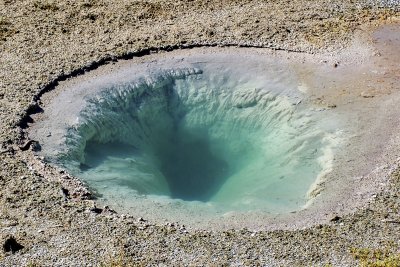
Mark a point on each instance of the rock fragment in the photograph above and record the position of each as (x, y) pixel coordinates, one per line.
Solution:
(11, 245)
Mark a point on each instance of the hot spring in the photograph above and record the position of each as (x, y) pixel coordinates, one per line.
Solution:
(191, 138)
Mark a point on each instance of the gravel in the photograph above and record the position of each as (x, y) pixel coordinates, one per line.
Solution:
(48, 218)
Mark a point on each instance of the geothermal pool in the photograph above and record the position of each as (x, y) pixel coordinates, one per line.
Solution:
(192, 139)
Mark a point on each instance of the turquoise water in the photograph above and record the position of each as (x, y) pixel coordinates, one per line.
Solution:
(219, 138)
(205, 139)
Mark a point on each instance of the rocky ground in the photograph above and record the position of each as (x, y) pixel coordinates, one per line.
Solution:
(48, 219)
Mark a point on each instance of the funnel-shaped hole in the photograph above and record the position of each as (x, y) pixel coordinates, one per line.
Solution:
(198, 138)
(186, 142)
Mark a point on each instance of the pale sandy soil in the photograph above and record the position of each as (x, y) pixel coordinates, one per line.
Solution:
(50, 214)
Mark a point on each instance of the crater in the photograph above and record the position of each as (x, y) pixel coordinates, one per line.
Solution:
(199, 134)
(207, 138)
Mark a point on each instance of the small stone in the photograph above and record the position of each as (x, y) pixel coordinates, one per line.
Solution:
(366, 94)
(335, 218)
(96, 210)
(11, 245)
(65, 193)
(331, 105)
(26, 145)
(66, 177)
(108, 209)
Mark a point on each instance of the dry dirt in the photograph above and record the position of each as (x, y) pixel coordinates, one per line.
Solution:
(47, 217)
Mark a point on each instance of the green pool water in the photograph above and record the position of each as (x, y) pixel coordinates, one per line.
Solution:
(231, 144)
(192, 140)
